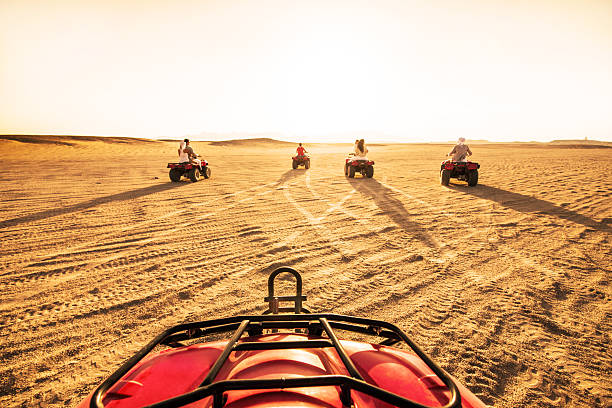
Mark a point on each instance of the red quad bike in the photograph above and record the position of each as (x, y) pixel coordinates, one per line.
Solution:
(190, 170)
(301, 161)
(352, 166)
(466, 171)
(280, 361)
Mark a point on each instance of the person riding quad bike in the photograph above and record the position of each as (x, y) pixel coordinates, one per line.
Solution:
(460, 151)
(357, 162)
(458, 167)
(189, 165)
(301, 159)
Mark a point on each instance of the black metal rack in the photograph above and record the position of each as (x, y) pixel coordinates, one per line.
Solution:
(313, 324)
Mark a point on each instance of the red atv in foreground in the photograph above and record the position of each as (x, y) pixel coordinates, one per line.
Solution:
(352, 166)
(465, 171)
(280, 361)
(190, 170)
(301, 161)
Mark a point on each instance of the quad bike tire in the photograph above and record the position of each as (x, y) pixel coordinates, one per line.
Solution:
(206, 172)
(307, 164)
(351, 171)
(294, 165)
(472, 178)
(194, 174)
(175, 175)
(369, 171)
(445, 176)
(345, 169)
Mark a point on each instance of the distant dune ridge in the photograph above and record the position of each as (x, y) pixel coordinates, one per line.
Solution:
(252, 142)
(68, 140)
(505, 284)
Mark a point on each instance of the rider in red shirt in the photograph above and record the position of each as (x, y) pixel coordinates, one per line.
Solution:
(301, 151)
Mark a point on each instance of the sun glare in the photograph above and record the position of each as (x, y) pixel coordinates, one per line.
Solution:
(408, 70)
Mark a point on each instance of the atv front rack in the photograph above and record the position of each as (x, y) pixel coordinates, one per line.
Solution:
(313, 324)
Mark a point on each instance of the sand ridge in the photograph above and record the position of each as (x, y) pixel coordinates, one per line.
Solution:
(506, 284)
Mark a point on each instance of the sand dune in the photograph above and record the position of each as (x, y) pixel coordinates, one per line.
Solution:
(259, 142)
(506, 284)
(72, 140)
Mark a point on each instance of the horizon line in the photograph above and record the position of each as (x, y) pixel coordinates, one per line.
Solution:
(250, 137)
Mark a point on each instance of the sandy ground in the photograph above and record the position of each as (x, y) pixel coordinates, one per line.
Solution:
(506, 284)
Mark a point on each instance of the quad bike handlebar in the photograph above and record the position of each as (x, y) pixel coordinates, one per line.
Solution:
(274, 301)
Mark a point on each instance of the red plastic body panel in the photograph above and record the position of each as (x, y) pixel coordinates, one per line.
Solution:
(356, 162)
(450, 165)
(185, 166)
(176, 371)
(301, 159)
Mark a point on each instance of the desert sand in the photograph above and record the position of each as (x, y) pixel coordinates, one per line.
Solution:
(505, 284)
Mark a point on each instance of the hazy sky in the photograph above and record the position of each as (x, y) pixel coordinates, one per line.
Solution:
(404, 70)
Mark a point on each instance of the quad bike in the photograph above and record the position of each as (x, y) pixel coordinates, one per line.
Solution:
(301, 161)
(190, 170)
(461, 170)
(352, 166)
(280, 361)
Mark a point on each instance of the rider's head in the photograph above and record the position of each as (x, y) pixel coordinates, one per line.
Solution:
(186, 141)
(461, 140)
(300, 144)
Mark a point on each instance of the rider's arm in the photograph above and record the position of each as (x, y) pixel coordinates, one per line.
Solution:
(469, 152)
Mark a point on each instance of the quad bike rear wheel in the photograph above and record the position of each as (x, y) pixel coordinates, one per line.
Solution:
(369, 171)
(345, 169)
(445, 177)
(307, 164)
(351, 172)
(294, 165)
(472, 178)
(194, 174)
(175, 175)
(206, 172)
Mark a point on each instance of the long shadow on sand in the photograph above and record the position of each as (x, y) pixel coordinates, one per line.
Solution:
(288, 175)
(392, 207)
(127, 195)
(527, 204)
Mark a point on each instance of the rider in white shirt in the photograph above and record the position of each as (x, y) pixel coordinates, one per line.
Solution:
(183, 156)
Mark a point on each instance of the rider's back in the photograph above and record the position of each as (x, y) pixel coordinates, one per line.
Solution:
(359, 152)
(183, 155)
(460, 151)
